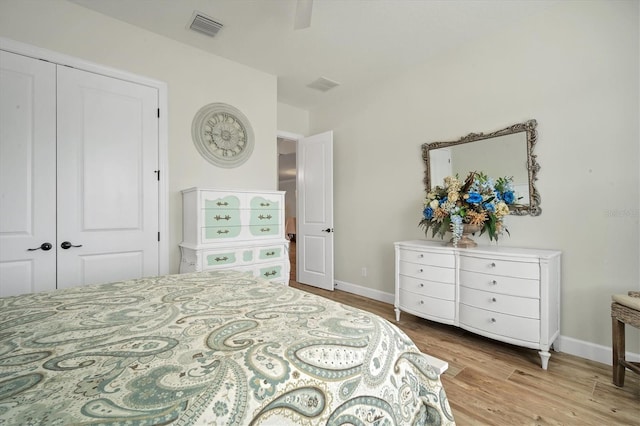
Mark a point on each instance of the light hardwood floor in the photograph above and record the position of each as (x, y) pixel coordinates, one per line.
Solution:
(491, 383)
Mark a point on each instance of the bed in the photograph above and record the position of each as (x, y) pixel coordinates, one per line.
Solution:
(218, 348)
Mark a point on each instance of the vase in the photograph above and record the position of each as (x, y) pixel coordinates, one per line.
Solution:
(465, 241)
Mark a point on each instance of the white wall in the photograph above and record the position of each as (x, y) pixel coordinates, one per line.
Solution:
(194, 79)
(292, 119)
(576, 71)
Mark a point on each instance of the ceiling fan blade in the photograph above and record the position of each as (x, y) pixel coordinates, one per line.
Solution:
(303, 14)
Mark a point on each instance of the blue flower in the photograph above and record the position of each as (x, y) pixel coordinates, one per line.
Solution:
(428, 212)
(489, 207)
(443, 200)
(508, 197)
(474, 198)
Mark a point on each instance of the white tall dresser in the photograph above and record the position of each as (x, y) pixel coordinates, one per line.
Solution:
(504, 293)
(242, 230)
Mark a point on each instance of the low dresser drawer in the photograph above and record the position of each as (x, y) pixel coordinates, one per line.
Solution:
(431, 273)
(428, 288)
(498, 324)
(427, 307)
(501, 303)
(428, 258)
(271, 272)
(268, 271)
(509, 268)
(211, 260)
(500, 284)
(276, 252)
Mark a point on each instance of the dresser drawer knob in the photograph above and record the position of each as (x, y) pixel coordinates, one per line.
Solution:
(494, 282)
(421, 255)
(493, 320)
(421, 284)
(493, 299)
(493, 264)
(421, 270)
(422, 302)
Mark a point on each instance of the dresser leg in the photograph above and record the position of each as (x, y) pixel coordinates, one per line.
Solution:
(544, 357)
(397, 314)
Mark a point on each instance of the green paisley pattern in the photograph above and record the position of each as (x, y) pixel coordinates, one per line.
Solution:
(218, 348)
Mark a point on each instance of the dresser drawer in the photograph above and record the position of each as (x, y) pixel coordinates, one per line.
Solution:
(428, 288)
(276, 252)
(220, 200)
(500, 284)
(427, 258)
(214, 233)
(427, 307)
(213, 260)
(509, 268)
(265, 230)
(504, 325)
(262, 202)
(501, 303)
(431, 273)
(221, 217)
(272, 272)
(239, 256)
(264, 217)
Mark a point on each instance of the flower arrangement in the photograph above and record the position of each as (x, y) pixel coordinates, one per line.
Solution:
(479, 200)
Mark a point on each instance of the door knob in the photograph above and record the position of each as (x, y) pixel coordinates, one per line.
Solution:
(66, 244)
(328, 230)
(43, 246)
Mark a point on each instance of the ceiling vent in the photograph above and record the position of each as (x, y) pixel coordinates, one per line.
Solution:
(323, 84)
(204, 24)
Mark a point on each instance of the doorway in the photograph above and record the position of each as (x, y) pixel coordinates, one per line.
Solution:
(313, 219)
(287, 173)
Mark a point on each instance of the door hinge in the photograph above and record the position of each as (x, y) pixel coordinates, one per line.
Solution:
(158, 173)
(158, 112)
(158, 236)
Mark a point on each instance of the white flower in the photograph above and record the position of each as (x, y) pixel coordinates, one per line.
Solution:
(502, 209)
(434, 204)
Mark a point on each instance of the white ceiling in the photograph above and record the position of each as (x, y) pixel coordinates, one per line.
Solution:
(354, 42)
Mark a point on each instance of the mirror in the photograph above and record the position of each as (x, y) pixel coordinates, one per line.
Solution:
(506, 152)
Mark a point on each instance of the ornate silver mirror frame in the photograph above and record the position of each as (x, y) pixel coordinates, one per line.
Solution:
(528, 129)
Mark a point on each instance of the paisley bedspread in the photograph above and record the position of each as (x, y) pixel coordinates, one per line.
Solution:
(218, 348)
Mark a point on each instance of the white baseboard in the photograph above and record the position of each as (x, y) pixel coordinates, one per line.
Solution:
(378, 295)
(569, 345)
(588, 350)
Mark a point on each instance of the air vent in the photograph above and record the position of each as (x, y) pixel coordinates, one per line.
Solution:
(323, 84)
(204, 24)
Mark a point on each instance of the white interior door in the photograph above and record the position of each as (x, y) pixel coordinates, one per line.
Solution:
(314, 241)
(27, 175)
(440, 161)
(107, 183)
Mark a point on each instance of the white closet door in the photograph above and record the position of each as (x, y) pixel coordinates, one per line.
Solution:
(27, 174)
(107, 182)
(315, 211)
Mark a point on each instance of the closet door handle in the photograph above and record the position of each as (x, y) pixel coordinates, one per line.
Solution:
(43, 246)
(66, 245)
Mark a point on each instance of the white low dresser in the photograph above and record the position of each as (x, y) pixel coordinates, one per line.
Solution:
(504, 293)
(242, 230)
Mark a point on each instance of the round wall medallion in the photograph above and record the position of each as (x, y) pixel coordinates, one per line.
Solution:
(222, 135)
